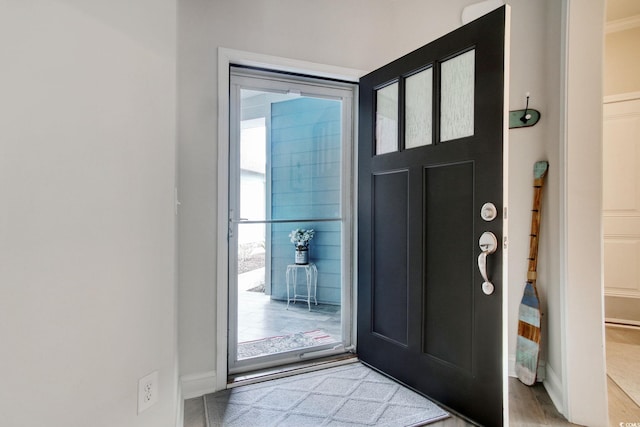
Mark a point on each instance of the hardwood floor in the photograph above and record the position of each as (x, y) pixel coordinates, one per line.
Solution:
(194, 412)
(621, 408)
(532, 406)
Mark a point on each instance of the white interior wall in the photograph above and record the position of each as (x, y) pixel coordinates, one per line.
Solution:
(621, 77)
(622, 62)
(550, 265)
(527, 145)
(301, 30)
(87, 171)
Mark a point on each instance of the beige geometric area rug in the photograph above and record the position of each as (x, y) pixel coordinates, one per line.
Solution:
(351, 395)
(624, 369)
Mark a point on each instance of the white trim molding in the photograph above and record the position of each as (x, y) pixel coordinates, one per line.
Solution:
(621, 323)
(179, 407)
(553, 385)
(275, 63)
(621, 293)
(623, 24)
(621, 97)
(196, 385)
(583, 380)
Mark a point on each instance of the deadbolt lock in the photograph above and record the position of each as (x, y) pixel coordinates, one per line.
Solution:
(488, 212)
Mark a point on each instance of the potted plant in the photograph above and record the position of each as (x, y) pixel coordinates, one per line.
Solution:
(301, 239)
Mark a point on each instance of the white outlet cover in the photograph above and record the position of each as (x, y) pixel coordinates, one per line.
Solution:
(147, 391)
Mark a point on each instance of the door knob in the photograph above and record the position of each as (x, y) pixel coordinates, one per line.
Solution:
(488, 244)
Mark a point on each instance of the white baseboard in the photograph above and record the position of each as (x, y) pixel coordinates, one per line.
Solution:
(621, 321)
(512, 365)
(541, 374)
(180, 407)
(196, 385)
(553, 385)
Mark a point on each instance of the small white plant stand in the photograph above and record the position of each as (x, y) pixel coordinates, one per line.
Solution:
(311, 272)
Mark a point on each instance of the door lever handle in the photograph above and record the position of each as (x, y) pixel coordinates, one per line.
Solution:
(488, 245)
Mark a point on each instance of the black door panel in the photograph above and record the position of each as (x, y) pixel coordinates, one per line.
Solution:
(422, 315)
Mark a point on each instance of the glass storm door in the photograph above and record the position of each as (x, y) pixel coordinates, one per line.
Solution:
(290, 219)
(430, 155)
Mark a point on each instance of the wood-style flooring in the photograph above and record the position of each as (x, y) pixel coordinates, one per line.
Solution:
(532, 406)
(622, 410)
(528, 406)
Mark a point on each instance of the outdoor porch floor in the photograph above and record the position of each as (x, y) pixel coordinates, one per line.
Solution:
(261, 317)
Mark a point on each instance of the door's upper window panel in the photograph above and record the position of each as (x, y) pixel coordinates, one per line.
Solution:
(387, 119)
(418, 109)
(457, 96)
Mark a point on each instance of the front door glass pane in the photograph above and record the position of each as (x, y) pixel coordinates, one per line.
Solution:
(418, 109)
(387, 119)
(457, 96)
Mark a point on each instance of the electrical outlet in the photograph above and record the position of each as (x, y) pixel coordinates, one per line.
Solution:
(147, 391)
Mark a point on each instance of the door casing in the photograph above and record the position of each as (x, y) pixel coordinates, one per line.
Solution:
(226, 58)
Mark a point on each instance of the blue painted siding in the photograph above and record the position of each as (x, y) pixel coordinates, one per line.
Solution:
(305, 166)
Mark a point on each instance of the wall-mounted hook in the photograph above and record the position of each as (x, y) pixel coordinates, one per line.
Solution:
(523, 118)
(526, 116)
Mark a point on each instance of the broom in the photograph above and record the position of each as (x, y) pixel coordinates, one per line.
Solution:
(528, 343)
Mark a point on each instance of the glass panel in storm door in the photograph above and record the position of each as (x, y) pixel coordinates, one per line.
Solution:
(290, 178)
(457, 96)
(418, 109)
(387, 119)
(267, 324)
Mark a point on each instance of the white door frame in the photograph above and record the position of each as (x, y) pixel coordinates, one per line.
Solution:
(343, 93)
(584, 386)
(227, 57)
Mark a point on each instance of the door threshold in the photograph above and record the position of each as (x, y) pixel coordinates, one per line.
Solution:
(260, 375)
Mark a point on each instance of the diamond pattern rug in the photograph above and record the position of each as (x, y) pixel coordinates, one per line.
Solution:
(351, 395)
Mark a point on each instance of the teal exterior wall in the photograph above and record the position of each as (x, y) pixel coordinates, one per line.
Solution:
(305, 168)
